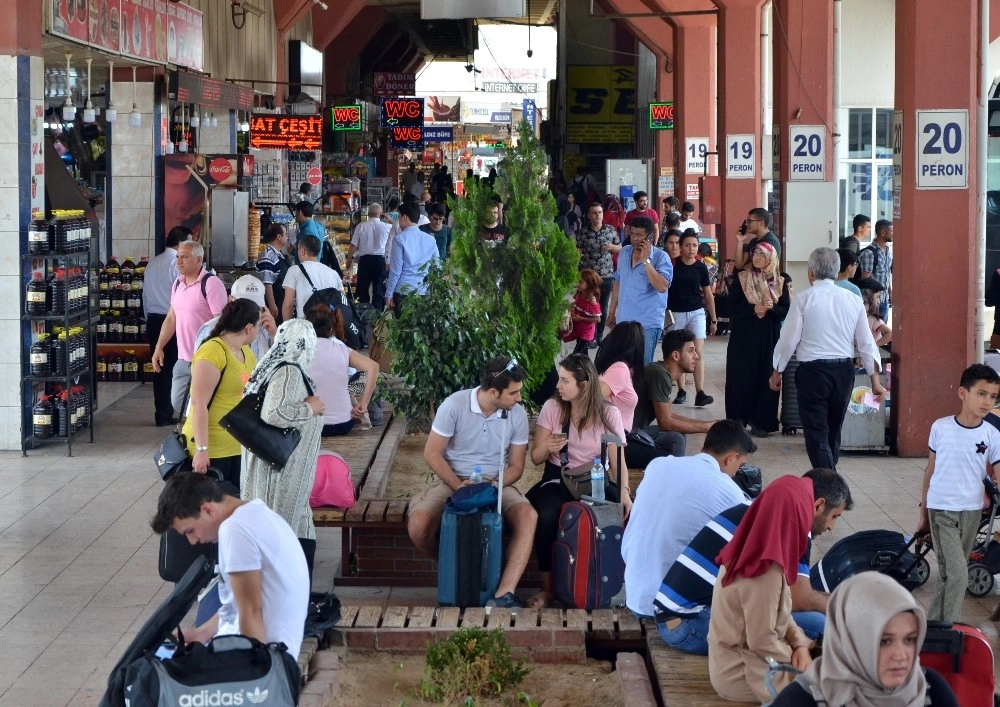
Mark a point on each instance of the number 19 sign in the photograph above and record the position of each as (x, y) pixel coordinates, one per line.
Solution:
(942, 149)
(740, 158)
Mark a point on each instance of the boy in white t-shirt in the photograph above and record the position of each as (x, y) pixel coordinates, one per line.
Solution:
(264, 581)
(963, 450)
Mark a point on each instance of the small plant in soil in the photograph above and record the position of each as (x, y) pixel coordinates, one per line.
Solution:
(473, 663)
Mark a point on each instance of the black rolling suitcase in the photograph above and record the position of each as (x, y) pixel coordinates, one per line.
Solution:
(790, 420)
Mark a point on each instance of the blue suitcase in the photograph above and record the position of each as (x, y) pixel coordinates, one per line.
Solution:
(470, 550)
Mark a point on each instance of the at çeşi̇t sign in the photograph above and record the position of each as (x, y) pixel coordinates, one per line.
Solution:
(286, 132)
(387, 83)
(346, 118)
(403, 118)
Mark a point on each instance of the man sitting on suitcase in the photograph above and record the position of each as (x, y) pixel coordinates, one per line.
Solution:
(263, 579)
(467, 433)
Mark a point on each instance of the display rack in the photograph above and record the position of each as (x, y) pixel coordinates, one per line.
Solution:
(78, 370)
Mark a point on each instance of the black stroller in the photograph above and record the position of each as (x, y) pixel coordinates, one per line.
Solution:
(905, 560)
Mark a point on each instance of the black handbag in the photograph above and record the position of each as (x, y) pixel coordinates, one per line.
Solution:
(274, 445)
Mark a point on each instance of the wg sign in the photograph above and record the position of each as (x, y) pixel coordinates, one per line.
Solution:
(942, 149)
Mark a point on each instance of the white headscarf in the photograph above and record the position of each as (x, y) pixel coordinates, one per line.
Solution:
(294, 342)
(847, 672)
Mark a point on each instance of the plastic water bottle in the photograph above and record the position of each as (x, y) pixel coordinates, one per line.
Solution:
(477, 475)
(597, 481)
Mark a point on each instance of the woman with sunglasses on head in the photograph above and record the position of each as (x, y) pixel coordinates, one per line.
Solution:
(871, 652)
(574, 418)
(758, 302)
(219, 370)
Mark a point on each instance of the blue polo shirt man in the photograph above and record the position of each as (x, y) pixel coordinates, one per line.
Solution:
(641, 281)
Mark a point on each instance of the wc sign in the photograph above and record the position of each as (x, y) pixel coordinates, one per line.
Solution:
(942, 149)
(807, 153)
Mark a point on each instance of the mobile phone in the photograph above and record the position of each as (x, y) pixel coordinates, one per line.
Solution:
(743, 229)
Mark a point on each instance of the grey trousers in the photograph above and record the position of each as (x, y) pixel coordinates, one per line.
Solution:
(953, 534)
(180, 383)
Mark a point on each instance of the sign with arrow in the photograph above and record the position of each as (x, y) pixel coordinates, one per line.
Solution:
(269, 131)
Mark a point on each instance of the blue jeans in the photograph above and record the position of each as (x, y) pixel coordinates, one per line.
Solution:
(690, 636)
(812, 623)
(652, 338)
(883, 307)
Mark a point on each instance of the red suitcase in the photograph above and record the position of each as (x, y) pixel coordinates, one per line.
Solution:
(963, 655)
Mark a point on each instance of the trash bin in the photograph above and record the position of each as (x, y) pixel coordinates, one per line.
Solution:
(864, 426)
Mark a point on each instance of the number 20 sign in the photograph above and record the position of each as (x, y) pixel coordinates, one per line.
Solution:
(942, 149)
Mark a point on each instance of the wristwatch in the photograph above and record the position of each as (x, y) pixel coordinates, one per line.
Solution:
(715, 321)
(199, 448)
(647, 261)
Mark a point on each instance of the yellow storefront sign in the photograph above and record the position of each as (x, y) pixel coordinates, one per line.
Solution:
(600, 104)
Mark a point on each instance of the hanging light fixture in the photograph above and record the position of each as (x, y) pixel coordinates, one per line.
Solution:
(68, 110)
(195, 120)
(245, 125)
(213, 121)
(169, 149)
(89, 114)
(110, 114)
(135, 117)
(182, 144)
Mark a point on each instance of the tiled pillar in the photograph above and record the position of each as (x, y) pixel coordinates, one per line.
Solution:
(933, 316)
(131, 209)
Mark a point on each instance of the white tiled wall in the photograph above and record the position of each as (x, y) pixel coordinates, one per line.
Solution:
(10, 261)
(133, 158)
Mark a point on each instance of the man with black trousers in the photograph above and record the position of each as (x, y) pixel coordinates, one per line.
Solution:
(158, 279)
(825, 324)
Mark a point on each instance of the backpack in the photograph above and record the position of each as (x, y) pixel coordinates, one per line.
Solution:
(614, 212)
(336, 299)
(204, 286)
(278, 288)
(329, 258)
(858, 277)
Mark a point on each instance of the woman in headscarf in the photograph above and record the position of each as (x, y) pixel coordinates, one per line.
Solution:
(871, 652)
(758, 302)
(751, 602)
(290, 401)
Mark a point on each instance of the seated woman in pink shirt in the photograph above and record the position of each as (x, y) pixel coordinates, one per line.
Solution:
(329, 372)
(575, 418)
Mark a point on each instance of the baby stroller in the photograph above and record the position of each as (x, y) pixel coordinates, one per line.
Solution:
(984, 560)
(905, 559)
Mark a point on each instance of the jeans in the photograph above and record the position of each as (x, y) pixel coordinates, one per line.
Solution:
(883, 309)
(812, 623)
(652, 338)
(607, 284)
(690, 635)
(180, 382)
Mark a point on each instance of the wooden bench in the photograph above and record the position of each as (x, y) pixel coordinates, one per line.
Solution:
(682, 678)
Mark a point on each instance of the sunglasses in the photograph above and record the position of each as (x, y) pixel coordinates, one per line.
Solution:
(508, 368)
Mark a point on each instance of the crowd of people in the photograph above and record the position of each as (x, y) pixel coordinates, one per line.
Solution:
(719, 575)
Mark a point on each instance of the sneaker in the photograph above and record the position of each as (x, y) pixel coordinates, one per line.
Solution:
(681, 398)
(703, 398)
(507, 601)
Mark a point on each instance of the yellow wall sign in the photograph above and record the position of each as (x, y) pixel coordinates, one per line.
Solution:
(602, 98)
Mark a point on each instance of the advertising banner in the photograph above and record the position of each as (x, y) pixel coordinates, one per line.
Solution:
(185, 36)
(387, 83)
(600, 104)
(442, 109)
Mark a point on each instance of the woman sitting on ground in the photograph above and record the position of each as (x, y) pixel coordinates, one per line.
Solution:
(329, 370)
(219, 371)
(751, 602)
(871, 652)
(575, 418)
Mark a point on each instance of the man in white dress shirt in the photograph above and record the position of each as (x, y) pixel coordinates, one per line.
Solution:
(368, 246)
(825, 324)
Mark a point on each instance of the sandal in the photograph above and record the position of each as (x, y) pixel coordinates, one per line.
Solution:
(541, 600)
(507, 601)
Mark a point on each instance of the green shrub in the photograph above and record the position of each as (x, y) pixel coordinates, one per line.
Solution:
(471, 664)
(441, 343)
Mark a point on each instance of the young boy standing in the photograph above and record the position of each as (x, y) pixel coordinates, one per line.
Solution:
(962, 450)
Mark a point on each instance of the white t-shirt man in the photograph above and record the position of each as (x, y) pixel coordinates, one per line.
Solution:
(255, 538)
(322, 277)
(678, 496)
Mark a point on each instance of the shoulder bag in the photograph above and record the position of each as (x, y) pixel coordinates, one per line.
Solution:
(576, 479)
(172, 456)
(274, 445)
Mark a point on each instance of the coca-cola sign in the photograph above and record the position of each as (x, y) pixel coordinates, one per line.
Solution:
(220, 169)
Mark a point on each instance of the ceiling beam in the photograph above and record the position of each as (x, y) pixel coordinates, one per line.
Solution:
(288, 12)
(328, 25)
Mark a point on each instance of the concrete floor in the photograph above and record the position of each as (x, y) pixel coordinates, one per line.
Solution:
(78, 560)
